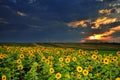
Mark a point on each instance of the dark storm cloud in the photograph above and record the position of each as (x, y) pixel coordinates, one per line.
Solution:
(45, 20)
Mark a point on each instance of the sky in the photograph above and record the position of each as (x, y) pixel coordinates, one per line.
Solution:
(60, 21)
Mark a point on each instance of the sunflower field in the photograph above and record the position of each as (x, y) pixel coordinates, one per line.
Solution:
(53, 63)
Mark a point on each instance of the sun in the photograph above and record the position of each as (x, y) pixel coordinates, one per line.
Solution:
(95, 37)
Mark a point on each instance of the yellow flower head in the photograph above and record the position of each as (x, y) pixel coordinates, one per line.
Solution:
(47, 61)
(115, 58)
(94, 56)
(85, 72)
(43, 58)
(89, 68)
(79, 69)
(74, 59)
(98, 74)
(21, 55)
(62, 64)
(60, 59)
(19, 61)
(1, 56)
(67, 60)
(78, 76)
(58, 75)
(118, 78)
(20, 67)
(118, 53)
(51, 70)
(106, 61)
(4, 77)
(95, 51)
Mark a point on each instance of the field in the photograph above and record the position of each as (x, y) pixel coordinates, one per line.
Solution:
(62, 61)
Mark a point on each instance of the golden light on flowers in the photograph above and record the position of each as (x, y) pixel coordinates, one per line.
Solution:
(21, 55)
(67, 60)
(79, 69)
(106, 61)
(58, 76)
(4, 77)
(60, 59)
(51, 70)
(20, 67)
(85, 72)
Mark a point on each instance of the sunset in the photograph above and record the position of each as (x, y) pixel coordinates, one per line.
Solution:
(59, 21)
(59, 39)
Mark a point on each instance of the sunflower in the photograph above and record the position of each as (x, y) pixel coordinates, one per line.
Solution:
(94, 56)
(51, 70)
(78, 76)
(1, 56)
(106, 61)
(85, 72)
(79, 69)
(74, 59)
(115, 58)
(19, 61)
(60, 59)
(47, 61)
(118, 78)
(20, 67)
(95, 51)
(118, 53)
(21, 56)
(89, 68)
(4, 77)
(98, 74)
(62, 64)
(58, 75)
(43, 58)
(67, 60)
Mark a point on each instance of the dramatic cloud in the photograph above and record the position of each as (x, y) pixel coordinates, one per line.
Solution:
(82, 23)
(94, 24)
(105, 11)
(106, 36)
(103, 21)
